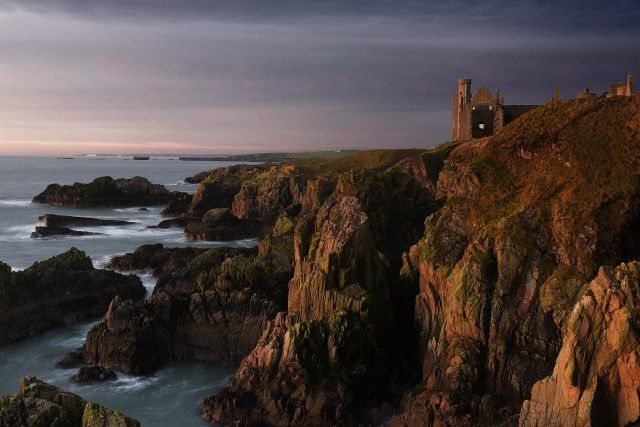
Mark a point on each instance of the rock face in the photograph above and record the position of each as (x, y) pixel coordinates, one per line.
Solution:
(596, 378)
(268, 193)
(105, 192)
(218, 187)
(213, 307)
(41, 404)
(57, 291)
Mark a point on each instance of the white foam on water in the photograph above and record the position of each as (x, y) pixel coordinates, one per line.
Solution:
(15, 202)
(148, 281)
(128, 383)
(16, 233)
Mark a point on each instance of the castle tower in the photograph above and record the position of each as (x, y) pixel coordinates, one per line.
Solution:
(629, 88)
(460, 102)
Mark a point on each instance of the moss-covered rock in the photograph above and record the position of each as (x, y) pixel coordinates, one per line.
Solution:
(96, 415)
(39, 404)
(60, 290)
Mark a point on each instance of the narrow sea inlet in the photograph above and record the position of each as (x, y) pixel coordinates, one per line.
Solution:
(171, 396)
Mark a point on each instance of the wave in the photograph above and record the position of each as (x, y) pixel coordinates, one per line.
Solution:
(15, 202)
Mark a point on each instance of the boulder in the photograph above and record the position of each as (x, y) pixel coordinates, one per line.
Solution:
(86, 374)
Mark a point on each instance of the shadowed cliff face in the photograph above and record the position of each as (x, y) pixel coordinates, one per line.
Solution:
(323, 361)
(529, 216)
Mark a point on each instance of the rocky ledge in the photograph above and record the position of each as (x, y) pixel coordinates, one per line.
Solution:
(41, 404)
(105, 192)
(60, 290)
(43, 232)
(52, 220)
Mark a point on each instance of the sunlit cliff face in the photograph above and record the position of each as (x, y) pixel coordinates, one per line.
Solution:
(196, 76)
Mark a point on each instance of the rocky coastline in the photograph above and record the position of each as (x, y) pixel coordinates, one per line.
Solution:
(489, 282)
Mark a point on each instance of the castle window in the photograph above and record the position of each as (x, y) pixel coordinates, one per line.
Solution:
(481, 125)
(490, 107)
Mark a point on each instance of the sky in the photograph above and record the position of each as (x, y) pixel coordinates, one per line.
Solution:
(234, 76)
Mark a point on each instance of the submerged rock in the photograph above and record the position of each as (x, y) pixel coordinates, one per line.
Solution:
(42, 232)
(57, 291)
(41, 404)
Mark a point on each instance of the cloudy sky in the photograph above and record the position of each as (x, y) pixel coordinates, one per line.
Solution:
(226, 76)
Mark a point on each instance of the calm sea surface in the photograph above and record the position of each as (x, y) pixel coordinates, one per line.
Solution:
(172, 396)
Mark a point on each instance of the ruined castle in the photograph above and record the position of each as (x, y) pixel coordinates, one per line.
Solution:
(483, 114)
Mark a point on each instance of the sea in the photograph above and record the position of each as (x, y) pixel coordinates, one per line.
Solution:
(170, 397)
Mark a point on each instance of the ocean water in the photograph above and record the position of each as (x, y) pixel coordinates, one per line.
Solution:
(172, 396)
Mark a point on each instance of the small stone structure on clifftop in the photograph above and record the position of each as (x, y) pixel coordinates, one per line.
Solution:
(482, 114)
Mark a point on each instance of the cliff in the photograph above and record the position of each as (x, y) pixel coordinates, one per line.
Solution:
(529, 216)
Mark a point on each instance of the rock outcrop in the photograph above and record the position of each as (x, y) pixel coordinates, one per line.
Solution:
(212, 307)
(60, 290)
(219, 224)
(105, 192)
(41, 404)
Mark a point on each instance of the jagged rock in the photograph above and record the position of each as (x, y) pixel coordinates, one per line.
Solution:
(41, 404)
(42, 232)
(105, 191)
(86, 374)
(596, 378)
(60, 290)
(55, 221)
